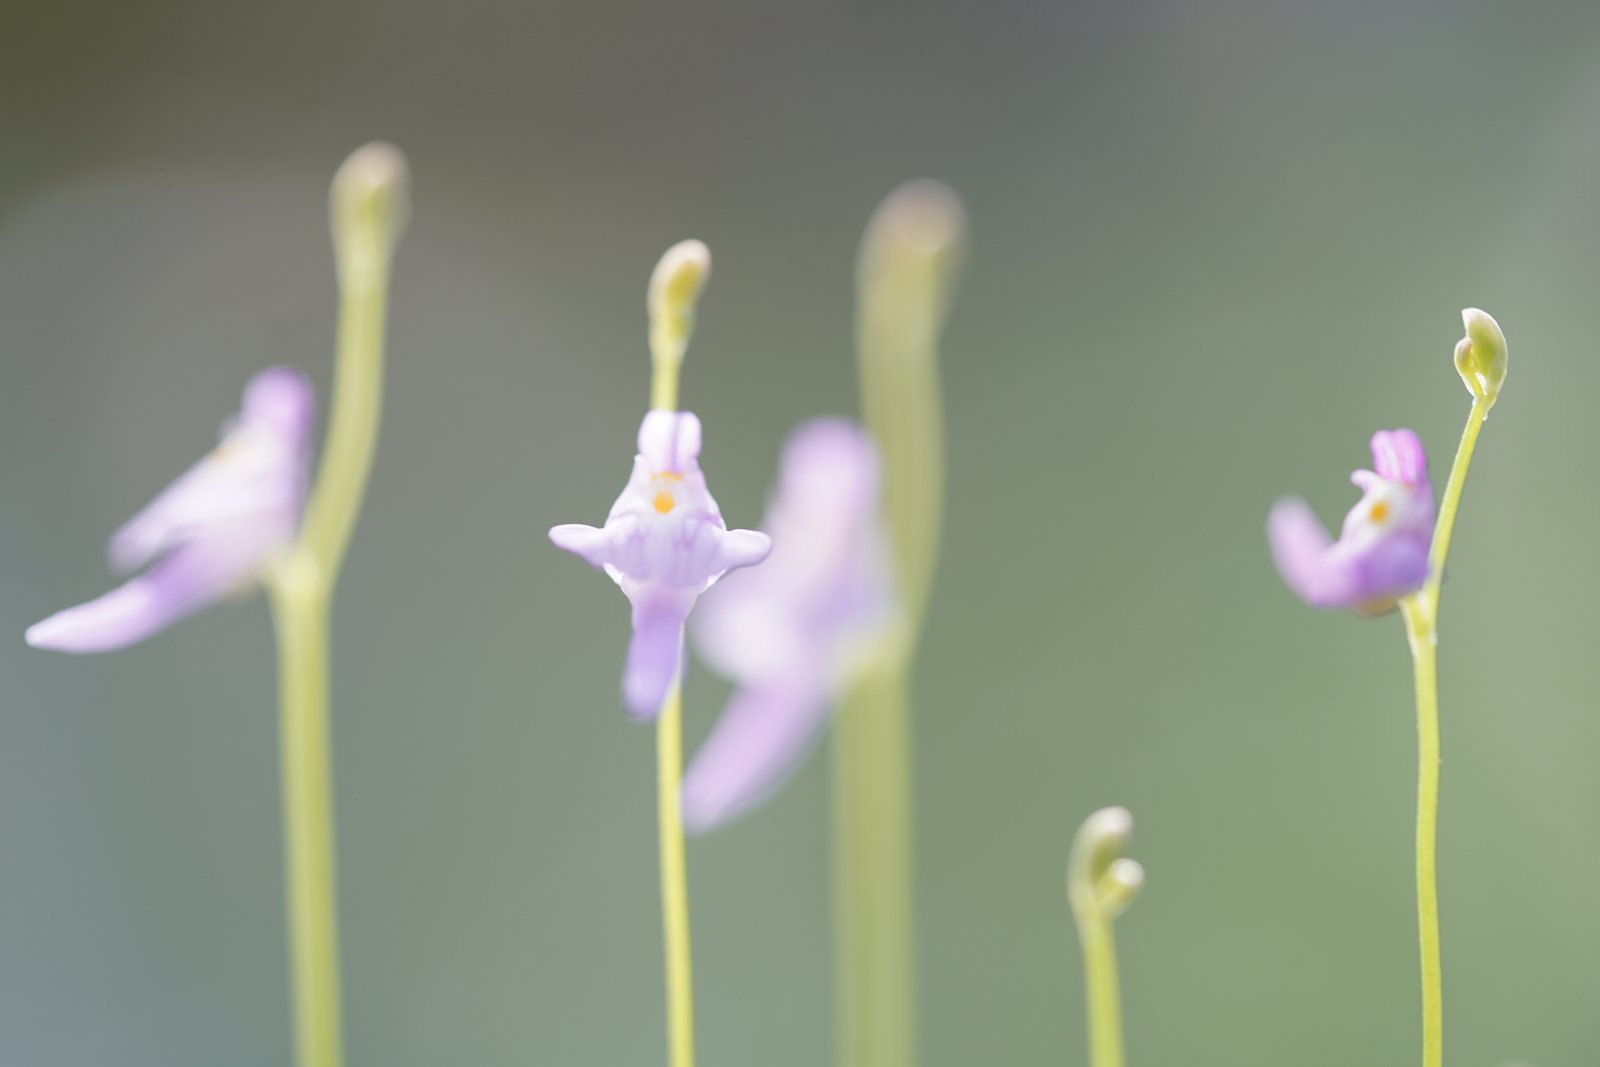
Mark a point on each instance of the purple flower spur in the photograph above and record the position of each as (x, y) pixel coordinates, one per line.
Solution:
(664, 543)
(792, 632)
(1382, 551)
(213, 532)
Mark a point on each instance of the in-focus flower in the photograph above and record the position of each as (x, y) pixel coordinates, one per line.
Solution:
(1382, 552)
(211, 533)
(664, 543)
(792, 632)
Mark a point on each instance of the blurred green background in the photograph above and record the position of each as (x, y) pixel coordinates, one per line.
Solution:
(1215, 246)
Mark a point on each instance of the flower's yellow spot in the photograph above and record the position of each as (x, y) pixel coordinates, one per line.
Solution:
(1379, 512)
(664, 502)
(671, 476)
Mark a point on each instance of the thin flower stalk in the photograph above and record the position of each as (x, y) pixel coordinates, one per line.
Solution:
(904, 279)
(664, 543)
(674, 292)
(369, 208)
(1392, 553)
(1481, 361)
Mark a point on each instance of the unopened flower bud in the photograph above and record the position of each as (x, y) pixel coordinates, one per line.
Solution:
(369, 204)
(1481, 356)
(674, 291)
(1100, 880)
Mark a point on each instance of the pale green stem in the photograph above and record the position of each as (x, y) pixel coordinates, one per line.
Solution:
(674, 881)
(1101, 989)
(1101, 883)
(904, 277)
(875, 960)
(1449, 504)
(1424, 656)
(353, 423)
(300, 610)
(674, 287)
(1421, 613)
(368, 209)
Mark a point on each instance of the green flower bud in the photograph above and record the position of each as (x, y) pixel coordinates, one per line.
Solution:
(1100, 880)
(370, 206)
(1481, 356)
(674, 291)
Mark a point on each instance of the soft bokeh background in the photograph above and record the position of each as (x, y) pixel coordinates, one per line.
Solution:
(1215, 247)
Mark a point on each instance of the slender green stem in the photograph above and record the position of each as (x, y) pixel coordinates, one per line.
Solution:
(675, 286)
(905, 273)
(1425, 660)
(1421, 614)
(674, 881)
(904, 278)
(875, 960)
(300, 611)
(353, 423)
(1449, 504)
(368, 212)
(1101, 989)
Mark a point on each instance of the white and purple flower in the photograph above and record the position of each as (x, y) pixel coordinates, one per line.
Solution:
(792, 633)
(1382, 551)
(664, 543)
(211, 533)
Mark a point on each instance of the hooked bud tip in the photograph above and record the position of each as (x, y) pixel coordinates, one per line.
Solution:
(922, 216)
(370, 196)
(675, 287)
(1481, 355)
(677, 280)
(1100, 879)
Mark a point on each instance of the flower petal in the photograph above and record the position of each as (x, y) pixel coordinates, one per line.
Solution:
(762, 736)
(1300, 548)
(177, 586)
(745, 633)
(655, 653)
(1391, 567)
(255, 476)
(742, 548)
(1397, 456)
(590, 543)
(829, 474)
(669, 441)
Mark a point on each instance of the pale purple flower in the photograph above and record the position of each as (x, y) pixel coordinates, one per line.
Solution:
(664, 543)
(211, 533)
(1382, 552)
(792, 632)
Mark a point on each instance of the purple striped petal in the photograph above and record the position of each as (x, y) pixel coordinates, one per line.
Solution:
(1397, 456)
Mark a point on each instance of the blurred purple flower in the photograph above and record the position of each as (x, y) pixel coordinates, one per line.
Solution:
(211, 533)
(1382, 552)
(792, 632)
(664, 543)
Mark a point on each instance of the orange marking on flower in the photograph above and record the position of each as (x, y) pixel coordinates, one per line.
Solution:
(664, 502)
(1379, 512)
